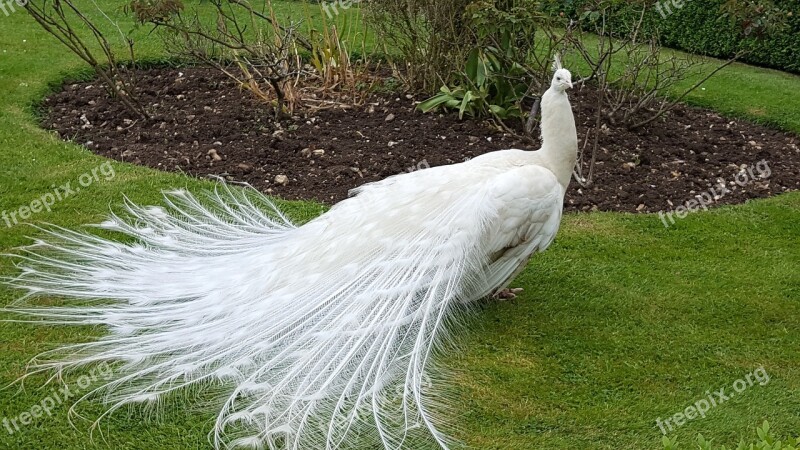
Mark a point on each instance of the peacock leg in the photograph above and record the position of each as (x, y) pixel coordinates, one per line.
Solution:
(506, 293)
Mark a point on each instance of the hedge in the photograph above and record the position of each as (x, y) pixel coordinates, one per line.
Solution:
(699, 27)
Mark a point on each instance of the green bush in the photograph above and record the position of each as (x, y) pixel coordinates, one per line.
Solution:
(703, 27)
(494, 79)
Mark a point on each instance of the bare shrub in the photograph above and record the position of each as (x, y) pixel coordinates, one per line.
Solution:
(249, 46)
(637, 80)
(430, 39)
(65, 21)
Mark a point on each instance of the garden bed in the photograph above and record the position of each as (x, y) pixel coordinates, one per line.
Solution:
(204, 125)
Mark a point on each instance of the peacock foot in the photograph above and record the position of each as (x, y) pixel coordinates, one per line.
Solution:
(507, 294)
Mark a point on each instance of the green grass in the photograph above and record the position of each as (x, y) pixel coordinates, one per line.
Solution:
(622, 321)
(762, 95)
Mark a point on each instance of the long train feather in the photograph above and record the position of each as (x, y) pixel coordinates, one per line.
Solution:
(320, 335)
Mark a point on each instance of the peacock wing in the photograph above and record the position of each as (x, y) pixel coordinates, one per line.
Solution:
(529, 203)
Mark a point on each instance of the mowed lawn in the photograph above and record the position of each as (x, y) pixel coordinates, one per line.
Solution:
(623, 322)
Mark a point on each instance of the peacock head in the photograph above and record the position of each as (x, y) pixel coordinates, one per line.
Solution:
(562, 79)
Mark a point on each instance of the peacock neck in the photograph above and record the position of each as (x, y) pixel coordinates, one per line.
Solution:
(559, 135)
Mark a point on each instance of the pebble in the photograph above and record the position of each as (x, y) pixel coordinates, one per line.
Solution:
(283, 180)
(214, 155)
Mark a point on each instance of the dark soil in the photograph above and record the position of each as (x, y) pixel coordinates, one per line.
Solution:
(205, 125)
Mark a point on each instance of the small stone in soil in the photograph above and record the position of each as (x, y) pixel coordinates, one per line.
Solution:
(214, 155)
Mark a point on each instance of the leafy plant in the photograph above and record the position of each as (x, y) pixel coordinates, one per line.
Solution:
(489, 89)
(496, 76)
(459, 98)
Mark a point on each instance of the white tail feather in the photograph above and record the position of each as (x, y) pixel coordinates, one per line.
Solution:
(321, 337)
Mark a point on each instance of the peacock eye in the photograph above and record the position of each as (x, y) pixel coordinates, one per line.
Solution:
(558, 78)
